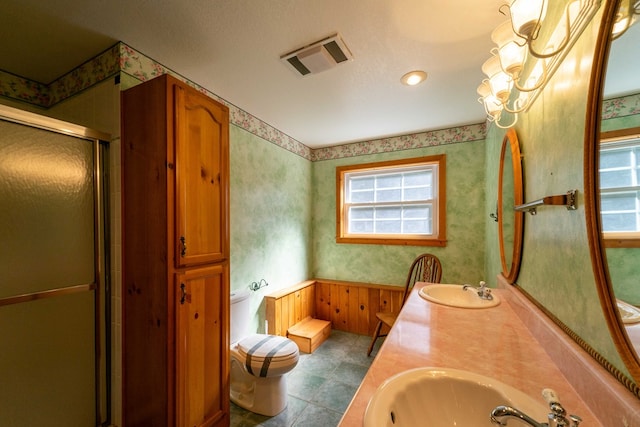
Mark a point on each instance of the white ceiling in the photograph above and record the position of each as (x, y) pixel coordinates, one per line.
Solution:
(232, 48)
(624, 62)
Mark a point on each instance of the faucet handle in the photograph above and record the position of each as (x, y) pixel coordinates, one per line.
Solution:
(557, 417)
(550, 396)
(575, 420)
(552, 399)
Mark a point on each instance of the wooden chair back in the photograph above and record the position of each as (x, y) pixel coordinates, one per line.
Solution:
(425, 268)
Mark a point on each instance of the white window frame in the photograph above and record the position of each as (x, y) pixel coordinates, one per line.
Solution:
(620, 139)
(437, 236)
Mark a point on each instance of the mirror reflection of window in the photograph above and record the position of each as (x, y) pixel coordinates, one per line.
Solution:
(620, 186)
(619, 176)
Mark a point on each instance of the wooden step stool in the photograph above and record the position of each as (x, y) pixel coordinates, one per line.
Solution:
(309, 333)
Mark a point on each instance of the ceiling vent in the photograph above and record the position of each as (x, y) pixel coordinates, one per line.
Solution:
(318, 56)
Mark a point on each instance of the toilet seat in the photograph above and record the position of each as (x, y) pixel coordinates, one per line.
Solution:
(268, 355)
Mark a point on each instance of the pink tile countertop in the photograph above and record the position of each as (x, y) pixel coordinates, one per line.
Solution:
(493, 342)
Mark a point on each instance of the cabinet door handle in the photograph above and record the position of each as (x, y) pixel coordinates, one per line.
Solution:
(183, 293)
(183, 246)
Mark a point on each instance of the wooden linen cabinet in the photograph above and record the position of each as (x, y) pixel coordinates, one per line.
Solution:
(175, 240)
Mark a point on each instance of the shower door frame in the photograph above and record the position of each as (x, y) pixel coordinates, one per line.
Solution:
(102, 265)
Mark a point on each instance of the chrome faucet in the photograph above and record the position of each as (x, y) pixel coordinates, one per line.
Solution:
(501, 414)
(482, 290)
(556, 418)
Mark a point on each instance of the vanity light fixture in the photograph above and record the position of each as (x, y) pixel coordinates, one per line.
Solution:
(413, 78)
(627, 16)
(529, 48)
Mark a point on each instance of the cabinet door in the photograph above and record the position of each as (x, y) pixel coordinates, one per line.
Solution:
(202, 173)
(202, 346)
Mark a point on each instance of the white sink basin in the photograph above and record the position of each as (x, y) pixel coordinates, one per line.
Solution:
(455, 296)
(442, 397)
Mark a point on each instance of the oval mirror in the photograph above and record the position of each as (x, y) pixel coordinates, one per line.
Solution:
(510, 194)
(612, 178)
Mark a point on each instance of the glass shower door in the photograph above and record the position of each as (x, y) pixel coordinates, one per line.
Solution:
(51, 291)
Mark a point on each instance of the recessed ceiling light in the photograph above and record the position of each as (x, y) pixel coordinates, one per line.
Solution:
(413, 78)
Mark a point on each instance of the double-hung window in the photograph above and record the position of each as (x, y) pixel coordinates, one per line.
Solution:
(620, 186)
(398, 202)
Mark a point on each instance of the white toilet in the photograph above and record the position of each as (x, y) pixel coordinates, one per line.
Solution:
(258, 362)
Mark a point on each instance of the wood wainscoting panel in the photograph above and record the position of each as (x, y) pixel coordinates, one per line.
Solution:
(323, 300)
(289, 306)
(349, 306)
(352, 306)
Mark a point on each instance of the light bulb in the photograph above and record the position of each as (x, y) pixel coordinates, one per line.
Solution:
(526, 16)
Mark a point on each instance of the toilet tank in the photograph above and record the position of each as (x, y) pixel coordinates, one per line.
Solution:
(240, 314)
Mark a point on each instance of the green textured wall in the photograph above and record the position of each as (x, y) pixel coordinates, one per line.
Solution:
(556, 266)
(463, 257)
(270, 216)
(624, 269)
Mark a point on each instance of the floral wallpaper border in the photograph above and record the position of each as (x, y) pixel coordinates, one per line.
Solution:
(97, 69)
(403, 142)
(123, 58)
(621, 107)
(15, 87)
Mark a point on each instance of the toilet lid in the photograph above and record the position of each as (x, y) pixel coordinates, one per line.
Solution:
(268, 355)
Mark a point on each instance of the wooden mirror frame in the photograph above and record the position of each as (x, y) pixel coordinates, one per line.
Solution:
(592, 203)
(510, 141)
